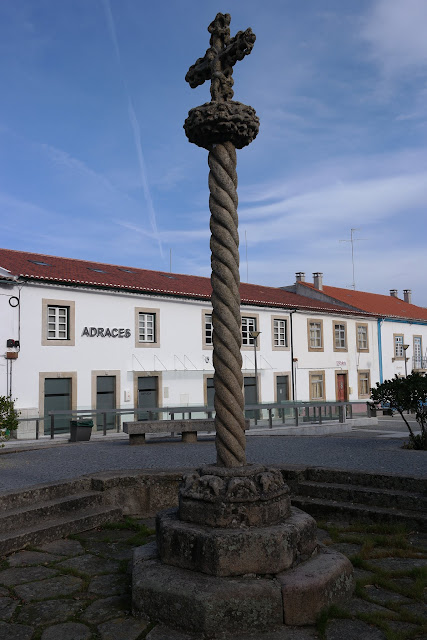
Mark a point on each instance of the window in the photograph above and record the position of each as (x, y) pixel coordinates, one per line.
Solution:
(340, 336)
(57, 319)
(147, 327)
(280, 333)
(362, 337)
(58, 323)
(248, 325)
(398, 346)
(317, 385)
(364, 382)
(315, 335)
(208, 329)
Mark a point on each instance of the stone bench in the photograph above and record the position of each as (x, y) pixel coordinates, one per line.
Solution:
(187, 428)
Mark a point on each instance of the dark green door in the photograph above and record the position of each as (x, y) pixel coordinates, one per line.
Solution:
(57, 395)
(249, 395)
(282, 387)
(147, 396)
(105, 399)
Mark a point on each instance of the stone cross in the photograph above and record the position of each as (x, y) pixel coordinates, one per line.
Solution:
(218, 61)
(221, 126)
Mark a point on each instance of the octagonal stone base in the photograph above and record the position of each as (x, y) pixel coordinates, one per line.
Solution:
(234, 552)
(213, 605)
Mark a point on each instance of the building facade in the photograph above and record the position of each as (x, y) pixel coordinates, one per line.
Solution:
(82, 335)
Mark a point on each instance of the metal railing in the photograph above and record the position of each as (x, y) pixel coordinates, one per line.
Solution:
(260, 415)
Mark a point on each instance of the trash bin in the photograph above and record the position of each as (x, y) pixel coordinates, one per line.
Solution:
(372, 410)
(81, 430)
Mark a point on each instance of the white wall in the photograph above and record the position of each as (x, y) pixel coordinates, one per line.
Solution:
(392, 366)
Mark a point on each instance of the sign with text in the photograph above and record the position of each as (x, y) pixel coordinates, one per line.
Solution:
(101, 332)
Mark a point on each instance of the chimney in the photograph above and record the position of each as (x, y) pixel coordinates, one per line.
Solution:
(318, 280)
(393, 293)
(300, 276)
(407, 295)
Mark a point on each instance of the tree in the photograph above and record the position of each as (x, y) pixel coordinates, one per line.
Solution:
(8, 416)
(406, 394)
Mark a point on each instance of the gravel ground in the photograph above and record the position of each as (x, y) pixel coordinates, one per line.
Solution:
(62, 462)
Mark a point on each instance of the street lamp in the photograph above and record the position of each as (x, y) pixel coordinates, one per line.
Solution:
(405, 347)
(254, 335)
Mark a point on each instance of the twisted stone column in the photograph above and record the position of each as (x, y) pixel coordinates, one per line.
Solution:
(222, 126)
(225, 279)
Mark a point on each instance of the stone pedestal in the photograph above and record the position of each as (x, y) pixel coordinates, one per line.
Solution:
(236, 556)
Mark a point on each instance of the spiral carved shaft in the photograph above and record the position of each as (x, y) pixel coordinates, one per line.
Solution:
(225, 278)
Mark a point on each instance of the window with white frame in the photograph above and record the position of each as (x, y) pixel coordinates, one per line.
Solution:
(248, 325)
(146, 327)
(398, 346)
(364, 380)
(340, 336)
(280, 333)
(208, 329)
(362, 337)
(57, 323)
(315, 334)
(317, 385)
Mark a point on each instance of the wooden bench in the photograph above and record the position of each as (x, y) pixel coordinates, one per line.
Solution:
(187, 428)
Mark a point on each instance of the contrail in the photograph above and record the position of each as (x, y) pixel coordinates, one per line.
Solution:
(136, 130)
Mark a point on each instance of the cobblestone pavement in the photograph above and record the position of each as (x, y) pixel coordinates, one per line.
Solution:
(78, 588)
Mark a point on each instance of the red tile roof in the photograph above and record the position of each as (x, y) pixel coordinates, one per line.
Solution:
(375, 303)
(107, 276)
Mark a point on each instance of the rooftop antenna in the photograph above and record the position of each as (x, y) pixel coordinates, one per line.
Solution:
(247, 267)
(352, 241)
(170, 260)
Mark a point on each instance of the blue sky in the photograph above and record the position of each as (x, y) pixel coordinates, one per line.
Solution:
(94, 162)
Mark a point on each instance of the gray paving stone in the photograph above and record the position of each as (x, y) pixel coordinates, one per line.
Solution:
(361, 574)
(52, 588)
(7, 607)
(122, 629)
(110, 584)
(4, 592)
(346, 548)
(113, 550)
(161, 632)
(403, 627)
(48, 612)
(416, 608)
(30, 558)
(63, 547)
(15, 632)
(90, 565)
(357, 605)
(15, 576)
(106, 535)
(352, 630)
(67, 631)
(383, 595)
(106, 609)
(399, 564)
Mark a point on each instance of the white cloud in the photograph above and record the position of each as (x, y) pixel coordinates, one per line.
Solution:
(396, 33)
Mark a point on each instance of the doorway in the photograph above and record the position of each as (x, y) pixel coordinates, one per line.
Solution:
(342, 390)
(148, 396)
(105, 400)
(57, 395)
(249, 387)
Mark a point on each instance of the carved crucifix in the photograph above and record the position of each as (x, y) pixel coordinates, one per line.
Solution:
(218, 61)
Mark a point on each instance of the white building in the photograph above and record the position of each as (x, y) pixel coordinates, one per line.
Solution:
(83, 335)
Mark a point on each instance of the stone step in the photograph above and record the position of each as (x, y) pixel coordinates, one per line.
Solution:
(41, 493)
(26, 516)
(386, 481)
(60, 527)
(364, 495)
(319, 508)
